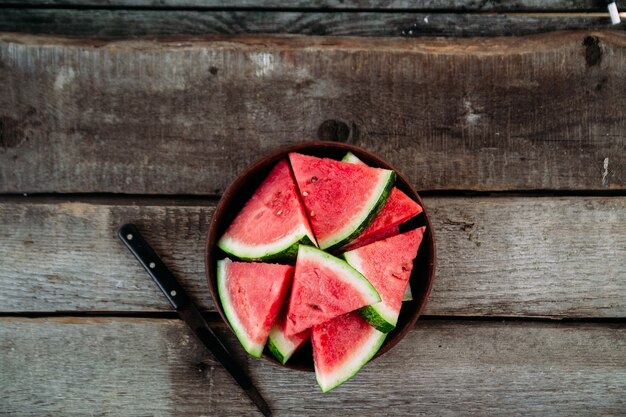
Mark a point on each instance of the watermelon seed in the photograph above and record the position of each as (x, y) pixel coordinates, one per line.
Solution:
(313, 179)
(304, 193)
(279, 212)
(312, 214)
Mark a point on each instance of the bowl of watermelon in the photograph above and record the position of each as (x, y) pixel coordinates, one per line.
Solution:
(320, 257)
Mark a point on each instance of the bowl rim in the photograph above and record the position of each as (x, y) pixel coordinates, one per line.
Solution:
(271, 158)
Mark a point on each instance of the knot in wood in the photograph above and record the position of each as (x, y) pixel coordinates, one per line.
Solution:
(593, 52)
(333, 130)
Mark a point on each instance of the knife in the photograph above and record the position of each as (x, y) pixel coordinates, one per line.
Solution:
(187, 310)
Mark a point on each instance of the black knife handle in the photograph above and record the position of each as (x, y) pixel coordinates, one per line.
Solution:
(130, 236)
(147, 257)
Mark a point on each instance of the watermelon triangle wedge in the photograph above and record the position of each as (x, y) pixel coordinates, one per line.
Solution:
(252, 295)
(324, 287)
(271, 224)
(398, 209)
(341, 199)
(387, 264)
(281, 345)
(341, 347)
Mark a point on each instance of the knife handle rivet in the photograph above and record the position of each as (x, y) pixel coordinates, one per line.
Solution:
(129, 236)
(152, 265)
(173, 293)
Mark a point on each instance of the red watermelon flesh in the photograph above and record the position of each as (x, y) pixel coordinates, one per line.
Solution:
(387, 264)
(341, 199)
(341, 347)
(398, 209)
(252, 295)
(383, 234)
(324, 287)
(281, 345)
(272, 223)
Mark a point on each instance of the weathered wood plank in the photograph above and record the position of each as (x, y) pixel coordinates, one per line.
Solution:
(463, 5)
(132, 22)
(540, 112)
(554, 257)
(138, 367)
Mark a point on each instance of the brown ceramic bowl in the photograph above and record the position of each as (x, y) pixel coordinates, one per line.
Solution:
(242, 188)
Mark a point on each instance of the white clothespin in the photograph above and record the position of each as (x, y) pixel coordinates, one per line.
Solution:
(613, 11)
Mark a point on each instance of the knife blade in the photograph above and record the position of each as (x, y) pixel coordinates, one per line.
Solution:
(187, 310)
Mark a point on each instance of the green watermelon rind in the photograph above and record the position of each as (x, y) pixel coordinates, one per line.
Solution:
(280, 346)
(284, 250)
(384, 189)
(276, 351)
(253, 349)
(408, 294)
(376, 319)
(354, 277)
(358, 361)
(351, 159)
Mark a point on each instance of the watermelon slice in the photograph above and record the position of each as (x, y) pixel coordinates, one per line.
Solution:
(398, 209)
(341, 347)
(324, 287)
(341, 199)
(387, 264)
(252, 295)
(281, 345)
(271, 224)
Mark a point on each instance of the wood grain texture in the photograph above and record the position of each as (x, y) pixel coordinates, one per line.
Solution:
(462, 5)
(138, 367)
(132, 22)
(541, 112)
(526, 257)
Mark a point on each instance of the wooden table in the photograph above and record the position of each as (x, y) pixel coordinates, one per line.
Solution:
(518, 145)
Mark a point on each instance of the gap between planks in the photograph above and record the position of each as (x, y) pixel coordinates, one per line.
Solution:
(196, 199)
